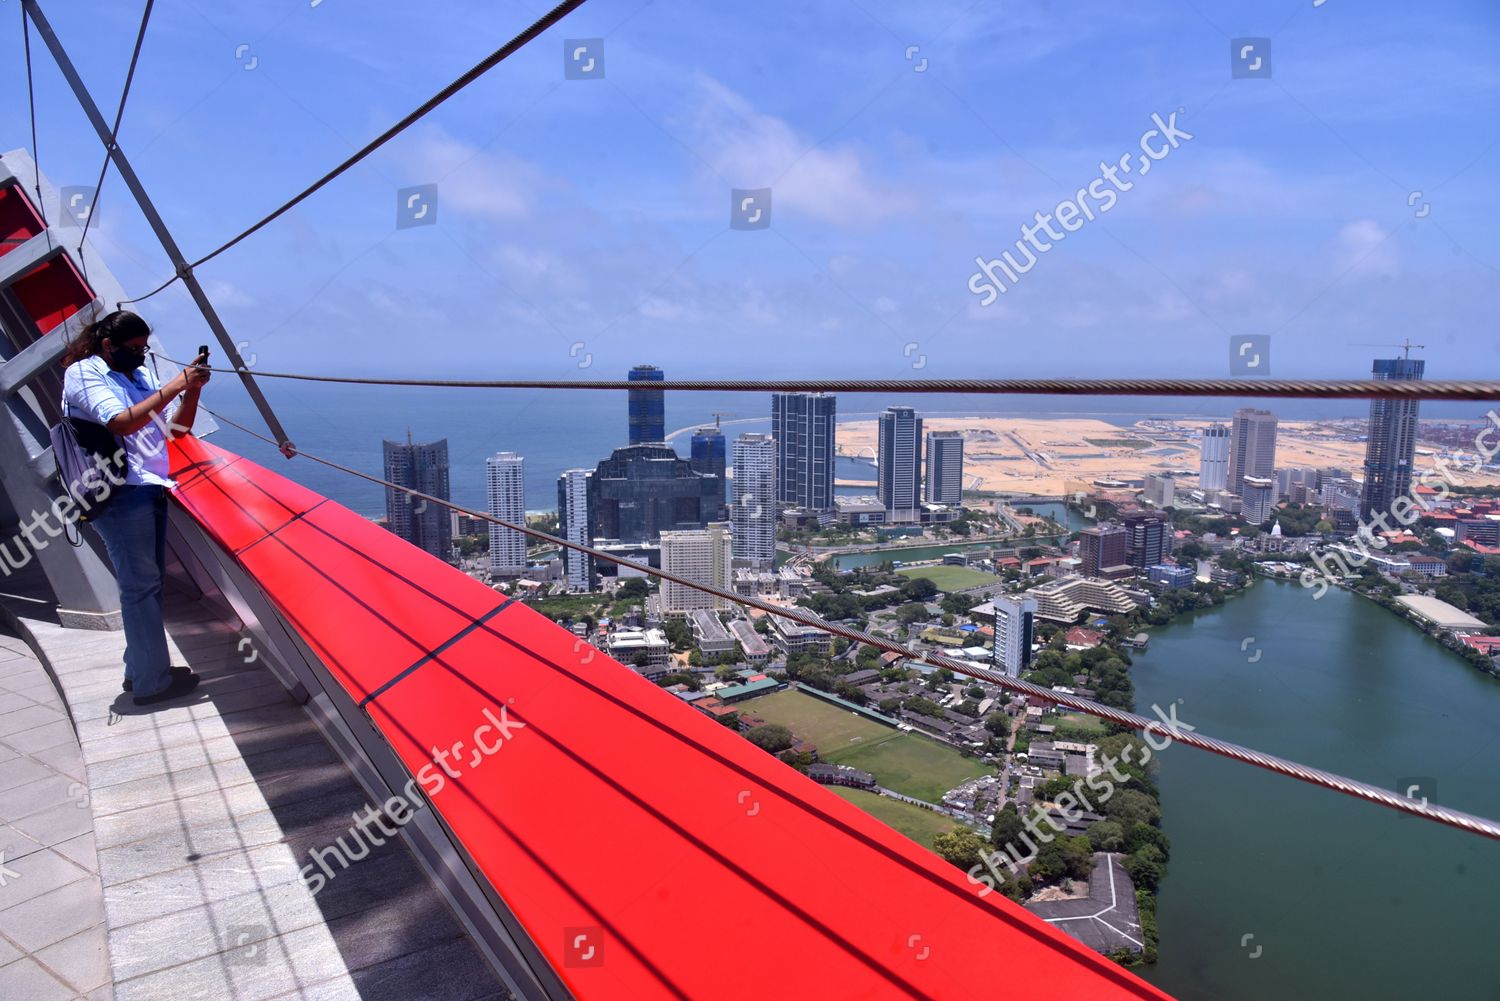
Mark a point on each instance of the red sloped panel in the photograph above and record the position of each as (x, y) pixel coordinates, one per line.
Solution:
(18, 219)
(612, 810)
(240, 510)
(52, 292)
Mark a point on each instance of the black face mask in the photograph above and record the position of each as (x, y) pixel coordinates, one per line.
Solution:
(127, 359)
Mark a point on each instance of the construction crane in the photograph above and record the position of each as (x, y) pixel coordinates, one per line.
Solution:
(720, 413)
(1405, 346)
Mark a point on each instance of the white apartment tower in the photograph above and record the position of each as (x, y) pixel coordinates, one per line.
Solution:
(753, 514)
(1014, 617)
(573, 523)
(505, 489)
(1213, 459)
(703, 555)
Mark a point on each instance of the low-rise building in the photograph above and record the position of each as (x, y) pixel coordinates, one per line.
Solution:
(1428, 566)
(1441, 614)
(840, 775)
(713, 639)
(1066, 599)
(757, 684)
(626, 646)
(860, 511)
(793, 637)
(752, 644)
(1167, 575)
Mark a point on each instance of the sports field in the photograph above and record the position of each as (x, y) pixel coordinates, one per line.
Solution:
(916, 823)
(948, 578)
(906, 762)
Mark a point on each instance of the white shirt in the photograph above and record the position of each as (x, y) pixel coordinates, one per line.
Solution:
(94, 391)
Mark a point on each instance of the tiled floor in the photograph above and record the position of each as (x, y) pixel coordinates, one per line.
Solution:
(53, 939)
(203, 811)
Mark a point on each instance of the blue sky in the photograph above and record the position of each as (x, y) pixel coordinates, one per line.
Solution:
(588, 219)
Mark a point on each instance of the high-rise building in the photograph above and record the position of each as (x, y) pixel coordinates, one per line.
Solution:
(708, 453)
(1393, 439)
(1259, 495)
(505, 491)
(899, 463)
(945, 467)
(803, 426)
(703, 555)
(419, 466)
(648, 407)
(1101, 547)
(1148, 537)
(1161, 489)
(1252, 446)
(1213, 458)
(753, 513)
(643, 490)
(1014, 618)
(573, 525)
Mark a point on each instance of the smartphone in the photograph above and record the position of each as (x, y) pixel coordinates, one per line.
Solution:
(203, 353)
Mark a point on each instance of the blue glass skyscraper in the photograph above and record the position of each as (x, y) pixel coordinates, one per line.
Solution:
(708, 453)
(648, 410)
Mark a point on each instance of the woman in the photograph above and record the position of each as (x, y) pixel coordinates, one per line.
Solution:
(107, 382)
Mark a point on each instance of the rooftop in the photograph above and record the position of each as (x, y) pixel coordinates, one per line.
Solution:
(1442, 614)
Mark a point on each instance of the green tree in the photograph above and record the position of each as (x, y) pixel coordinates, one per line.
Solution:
(1131, 806)
(910, 615)
(634, 589)
(1144, 873)
(772, 737)
(679, 634)
(1007, 828)
(926, 707)
(1106, 836)
(962, 846)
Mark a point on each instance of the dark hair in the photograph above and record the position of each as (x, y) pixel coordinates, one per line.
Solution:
(120, 326)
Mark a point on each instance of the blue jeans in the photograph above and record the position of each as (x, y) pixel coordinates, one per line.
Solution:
(134, 527)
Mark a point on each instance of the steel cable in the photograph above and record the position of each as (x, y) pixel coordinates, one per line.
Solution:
(114, 133)
(1408, 389)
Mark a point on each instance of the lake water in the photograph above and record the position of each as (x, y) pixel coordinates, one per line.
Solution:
(1278, 889)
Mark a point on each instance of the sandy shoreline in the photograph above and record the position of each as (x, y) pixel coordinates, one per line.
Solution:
(1054, 457)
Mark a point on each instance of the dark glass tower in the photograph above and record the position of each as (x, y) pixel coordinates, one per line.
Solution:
(803, 426)
(900, 463)
(421, 466)
(708, 453)
(641, 491)
(1392, 441)
(648, 410)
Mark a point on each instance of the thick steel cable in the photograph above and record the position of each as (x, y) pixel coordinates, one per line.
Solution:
(1407, 389)
(114, 133)
(1305, 773)
(486, 64)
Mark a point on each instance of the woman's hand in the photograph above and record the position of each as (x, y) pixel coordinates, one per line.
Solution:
(196, 375)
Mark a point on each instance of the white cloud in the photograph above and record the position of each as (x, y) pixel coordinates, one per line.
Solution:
(1365, 250)
(750, 149)
(470, 179)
